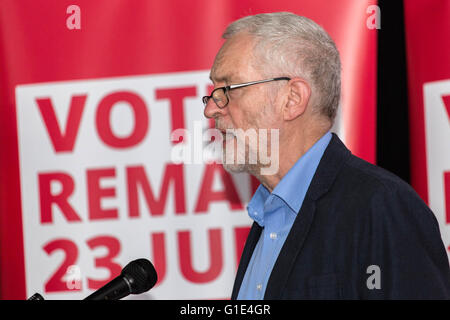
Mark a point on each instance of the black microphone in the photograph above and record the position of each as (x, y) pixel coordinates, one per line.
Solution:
(36, 296)
(136, 277)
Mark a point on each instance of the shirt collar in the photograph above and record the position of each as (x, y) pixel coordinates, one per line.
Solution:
(293, 186)
(255, 207)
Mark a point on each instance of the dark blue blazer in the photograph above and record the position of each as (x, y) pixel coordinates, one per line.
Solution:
(361, 233)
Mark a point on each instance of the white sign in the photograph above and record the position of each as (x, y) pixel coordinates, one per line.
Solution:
(98, 189)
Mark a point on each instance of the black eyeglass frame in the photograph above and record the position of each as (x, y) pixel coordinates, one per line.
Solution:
(226, 89)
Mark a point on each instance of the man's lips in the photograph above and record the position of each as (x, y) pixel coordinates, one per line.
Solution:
(225, 131)
(226, 134)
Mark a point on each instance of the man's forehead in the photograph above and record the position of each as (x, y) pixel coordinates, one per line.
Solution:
(223, 68)
(232, 58)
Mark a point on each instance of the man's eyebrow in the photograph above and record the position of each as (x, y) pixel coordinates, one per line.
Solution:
(224, 78)
(219, 79)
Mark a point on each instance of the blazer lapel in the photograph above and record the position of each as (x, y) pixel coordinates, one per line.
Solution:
(250, 245)
(291, 248)
(329, 166)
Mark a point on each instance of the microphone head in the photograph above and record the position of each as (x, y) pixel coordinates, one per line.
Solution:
(141, 275)
(36, 296)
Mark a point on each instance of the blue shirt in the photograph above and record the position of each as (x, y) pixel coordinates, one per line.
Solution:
(276, 212)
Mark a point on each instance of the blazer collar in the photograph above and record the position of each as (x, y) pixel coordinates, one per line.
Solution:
(249, 246)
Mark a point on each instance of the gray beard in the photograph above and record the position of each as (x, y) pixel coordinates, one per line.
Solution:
(235, 168)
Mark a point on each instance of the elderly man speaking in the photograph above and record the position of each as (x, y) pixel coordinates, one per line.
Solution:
(327, 225)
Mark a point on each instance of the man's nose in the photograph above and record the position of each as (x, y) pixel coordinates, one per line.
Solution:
(212, 110)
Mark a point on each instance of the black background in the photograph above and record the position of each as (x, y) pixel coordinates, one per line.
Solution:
(392, 92)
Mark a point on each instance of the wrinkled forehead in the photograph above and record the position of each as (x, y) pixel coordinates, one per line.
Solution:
(234, 61)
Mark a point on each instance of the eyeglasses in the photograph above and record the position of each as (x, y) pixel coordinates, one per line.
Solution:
(220, 95)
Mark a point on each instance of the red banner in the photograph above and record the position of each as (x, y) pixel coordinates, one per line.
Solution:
(427, 26)
(91, 93)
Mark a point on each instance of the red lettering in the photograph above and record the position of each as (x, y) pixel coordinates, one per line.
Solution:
(56, 282)
(159, 255)
(62, 142)
(215, 252)
(112, 246)
(136, 177)
(176, 97)
(207, 195)
(254, 184)
(240, 236)
(46, 198)
(447, 195)
(141, 119)
(446, 100)
(95, 193)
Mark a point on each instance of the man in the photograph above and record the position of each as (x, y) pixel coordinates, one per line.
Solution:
(328, 225)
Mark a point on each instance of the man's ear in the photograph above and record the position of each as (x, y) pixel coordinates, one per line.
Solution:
(297, 99)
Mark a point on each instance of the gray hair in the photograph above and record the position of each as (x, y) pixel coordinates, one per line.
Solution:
(295, 46)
